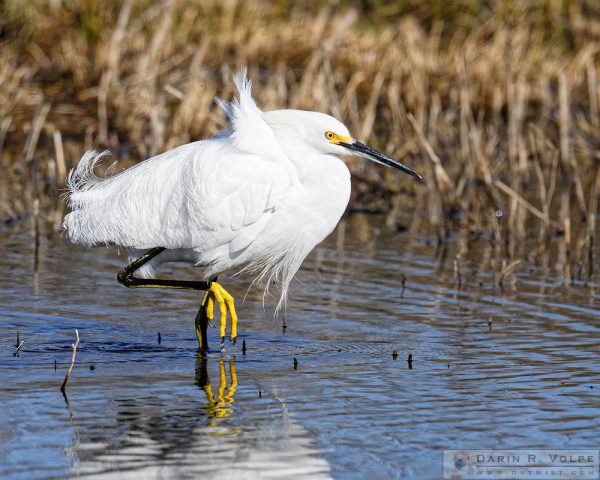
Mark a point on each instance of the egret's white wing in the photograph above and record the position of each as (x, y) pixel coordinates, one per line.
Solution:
(202, 195)
(238, 196)
(247, 183)
(214, 194)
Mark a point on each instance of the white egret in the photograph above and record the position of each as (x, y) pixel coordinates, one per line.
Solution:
(254, 199)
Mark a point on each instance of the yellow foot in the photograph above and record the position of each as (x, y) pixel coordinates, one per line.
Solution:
(216, 293)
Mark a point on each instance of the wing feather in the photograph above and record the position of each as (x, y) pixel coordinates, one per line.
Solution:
(212, 195)
(202, 196)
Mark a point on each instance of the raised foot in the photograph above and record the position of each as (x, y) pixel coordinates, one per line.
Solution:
(216, 293)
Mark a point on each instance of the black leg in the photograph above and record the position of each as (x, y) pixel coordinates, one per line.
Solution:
(125, 277)
(201, 322)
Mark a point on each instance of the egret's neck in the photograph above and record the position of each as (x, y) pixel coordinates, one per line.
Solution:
(311, 166)
(325, 179)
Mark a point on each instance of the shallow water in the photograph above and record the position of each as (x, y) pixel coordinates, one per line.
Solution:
(492, 368)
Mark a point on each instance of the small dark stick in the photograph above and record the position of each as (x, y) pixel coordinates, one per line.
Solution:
(410, 360)
(259, 394)
(243, 347)
(74, 347)
(403, 284)
(16, 352)
(55, 365)
(295, 363)
(395, 354)
(159, 338)
(18, 345)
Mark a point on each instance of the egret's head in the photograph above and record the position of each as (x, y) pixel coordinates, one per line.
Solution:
(324, 134)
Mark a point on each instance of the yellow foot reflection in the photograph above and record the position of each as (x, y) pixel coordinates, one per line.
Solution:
(219, 407)
(216, 293)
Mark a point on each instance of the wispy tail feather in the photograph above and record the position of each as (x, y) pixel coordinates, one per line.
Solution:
(82, 177)
(79, 222)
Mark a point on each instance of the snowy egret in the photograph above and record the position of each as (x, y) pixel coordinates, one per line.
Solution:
(254, 199)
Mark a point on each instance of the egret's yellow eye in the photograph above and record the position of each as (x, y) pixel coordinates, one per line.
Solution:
(330, 135)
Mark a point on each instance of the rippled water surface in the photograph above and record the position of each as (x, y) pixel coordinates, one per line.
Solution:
(515, 367)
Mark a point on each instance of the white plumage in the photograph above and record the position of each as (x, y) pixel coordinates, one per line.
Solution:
(255, 199)
(240, 201)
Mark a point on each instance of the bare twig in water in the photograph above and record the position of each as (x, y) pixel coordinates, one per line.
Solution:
(16, 352)
(18, 344)
(74, 347)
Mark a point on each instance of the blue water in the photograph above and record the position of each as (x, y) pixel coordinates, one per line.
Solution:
(492, 368)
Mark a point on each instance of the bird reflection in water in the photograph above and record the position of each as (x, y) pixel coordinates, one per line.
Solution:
(221, 406)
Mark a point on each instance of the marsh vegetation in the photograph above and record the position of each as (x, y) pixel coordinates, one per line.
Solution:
(496, 102)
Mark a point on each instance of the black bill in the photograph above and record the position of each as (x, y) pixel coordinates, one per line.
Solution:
(379, 157)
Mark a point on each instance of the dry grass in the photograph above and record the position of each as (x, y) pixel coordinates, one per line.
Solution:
(496, 103)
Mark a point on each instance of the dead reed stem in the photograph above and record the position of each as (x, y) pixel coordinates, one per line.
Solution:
(442, 180)
(59, 152)
(520, 200)
(36, 235)
(110, 70)
(70, 368)
(591, 230)
(36, 130)
(507, 269)
(568, 160)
